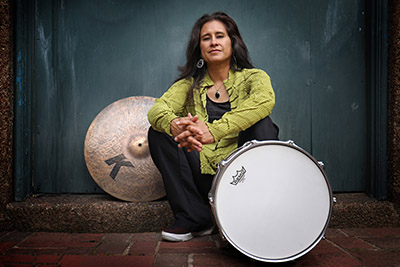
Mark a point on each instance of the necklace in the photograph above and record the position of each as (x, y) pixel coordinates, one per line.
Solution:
(217, 94)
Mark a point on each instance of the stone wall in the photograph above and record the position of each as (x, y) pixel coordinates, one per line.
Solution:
(6, 105)
(394, 104)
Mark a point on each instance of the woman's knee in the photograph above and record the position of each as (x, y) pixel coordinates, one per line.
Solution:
(264, 129)
(151, 134)
(155, 138)
(158, 140)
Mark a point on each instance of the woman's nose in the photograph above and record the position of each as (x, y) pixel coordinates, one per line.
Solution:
(214, 41)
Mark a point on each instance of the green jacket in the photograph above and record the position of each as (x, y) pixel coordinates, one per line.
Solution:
(252, 99)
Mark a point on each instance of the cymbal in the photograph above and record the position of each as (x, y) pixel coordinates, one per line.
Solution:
(117, 152)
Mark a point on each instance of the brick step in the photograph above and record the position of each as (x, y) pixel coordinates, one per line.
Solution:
(102, 213)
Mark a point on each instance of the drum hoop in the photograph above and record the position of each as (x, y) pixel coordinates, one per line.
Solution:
(222, 166)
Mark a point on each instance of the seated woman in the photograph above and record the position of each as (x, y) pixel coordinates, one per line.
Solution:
(219, 102)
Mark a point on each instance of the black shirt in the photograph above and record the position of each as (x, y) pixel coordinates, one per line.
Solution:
(216, 110)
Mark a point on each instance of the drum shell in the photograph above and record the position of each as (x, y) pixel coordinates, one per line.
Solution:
(228, 172)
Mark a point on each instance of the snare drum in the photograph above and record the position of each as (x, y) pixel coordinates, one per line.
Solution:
(271, 200)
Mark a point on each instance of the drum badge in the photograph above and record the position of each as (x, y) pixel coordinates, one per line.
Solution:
(239, 177)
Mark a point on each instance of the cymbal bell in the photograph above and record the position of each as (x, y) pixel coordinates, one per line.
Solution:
(117, 152)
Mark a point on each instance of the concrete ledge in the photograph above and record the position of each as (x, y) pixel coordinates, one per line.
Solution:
(87, 213)
(359, 210)
(102, 213)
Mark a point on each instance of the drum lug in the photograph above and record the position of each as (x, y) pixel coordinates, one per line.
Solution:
(221, 234)
(320, 163)
(334, 200)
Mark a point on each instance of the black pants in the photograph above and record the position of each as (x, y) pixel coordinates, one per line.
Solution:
(186, 187)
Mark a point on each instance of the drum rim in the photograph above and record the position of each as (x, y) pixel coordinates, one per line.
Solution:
(222, 166)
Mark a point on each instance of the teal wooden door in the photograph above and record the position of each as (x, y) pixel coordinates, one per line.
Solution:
(89, 54)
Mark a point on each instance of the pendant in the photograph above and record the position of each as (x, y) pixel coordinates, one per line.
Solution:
(217, 94)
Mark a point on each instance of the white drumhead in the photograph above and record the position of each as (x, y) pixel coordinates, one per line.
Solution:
(272, 201)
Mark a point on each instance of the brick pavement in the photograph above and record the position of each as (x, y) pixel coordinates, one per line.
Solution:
(341, 247)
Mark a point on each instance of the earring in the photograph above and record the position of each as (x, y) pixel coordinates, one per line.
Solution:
(200, 63)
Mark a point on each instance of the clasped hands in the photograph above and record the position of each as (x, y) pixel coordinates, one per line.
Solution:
(190, 132)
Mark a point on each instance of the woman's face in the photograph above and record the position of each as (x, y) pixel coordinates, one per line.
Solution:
(215, 43)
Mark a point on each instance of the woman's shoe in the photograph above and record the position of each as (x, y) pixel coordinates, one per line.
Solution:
(205, 232)
(179, 234)
(176, 234)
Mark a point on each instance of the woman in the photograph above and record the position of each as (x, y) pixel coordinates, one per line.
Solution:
(219, 102)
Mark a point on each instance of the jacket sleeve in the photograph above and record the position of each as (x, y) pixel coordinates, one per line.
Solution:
(169, 106)
(258, 102)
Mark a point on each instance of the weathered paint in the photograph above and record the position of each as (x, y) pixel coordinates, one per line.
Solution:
(90, 54)
(23, 100)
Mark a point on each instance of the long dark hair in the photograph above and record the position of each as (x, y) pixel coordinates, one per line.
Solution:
(240, 56)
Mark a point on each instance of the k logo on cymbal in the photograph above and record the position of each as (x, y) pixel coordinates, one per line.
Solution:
(119, 161)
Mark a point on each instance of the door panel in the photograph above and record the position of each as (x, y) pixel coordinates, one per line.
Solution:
(89, 54)
(338, 104)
